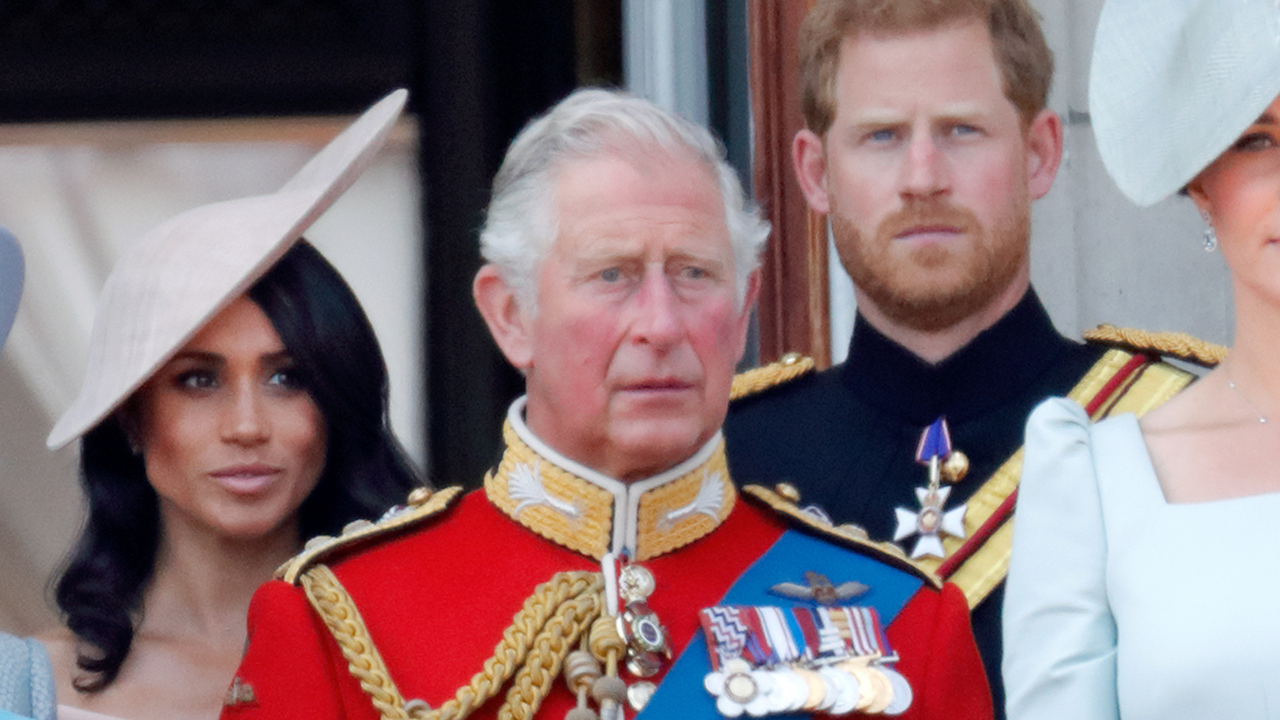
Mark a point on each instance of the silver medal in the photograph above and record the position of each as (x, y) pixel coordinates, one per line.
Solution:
(847, 695)
(902, 695)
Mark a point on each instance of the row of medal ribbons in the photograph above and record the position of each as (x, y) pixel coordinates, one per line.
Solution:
(773, 660)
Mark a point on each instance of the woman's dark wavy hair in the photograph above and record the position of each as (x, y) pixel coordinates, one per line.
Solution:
(338, 360)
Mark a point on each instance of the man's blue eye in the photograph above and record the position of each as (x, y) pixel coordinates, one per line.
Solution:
(611, 275)
(882, 135)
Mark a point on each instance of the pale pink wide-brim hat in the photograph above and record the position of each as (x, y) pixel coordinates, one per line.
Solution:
(168, 285)
(1173, 84)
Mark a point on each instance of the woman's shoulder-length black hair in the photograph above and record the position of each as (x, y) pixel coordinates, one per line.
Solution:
(338, 361)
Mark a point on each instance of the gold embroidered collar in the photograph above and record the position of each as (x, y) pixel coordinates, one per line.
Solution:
(591, 513)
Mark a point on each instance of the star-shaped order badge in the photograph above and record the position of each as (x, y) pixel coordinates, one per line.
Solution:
(932, 520)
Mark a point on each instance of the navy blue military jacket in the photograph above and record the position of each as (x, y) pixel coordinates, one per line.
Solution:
(846, 437)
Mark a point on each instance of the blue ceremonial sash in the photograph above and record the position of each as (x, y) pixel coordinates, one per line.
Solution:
(681, 693)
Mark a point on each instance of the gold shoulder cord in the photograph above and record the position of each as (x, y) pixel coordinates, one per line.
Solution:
(787, 368)
(532, 649)
(1179, 345)
(340, 615)
(423, 504)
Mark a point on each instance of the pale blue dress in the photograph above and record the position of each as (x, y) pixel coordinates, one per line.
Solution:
(1121, 605)
(26, 679)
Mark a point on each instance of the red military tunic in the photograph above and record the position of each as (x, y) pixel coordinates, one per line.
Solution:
(437, 593)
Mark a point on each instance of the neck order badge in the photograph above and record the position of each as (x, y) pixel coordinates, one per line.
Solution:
(932, 520)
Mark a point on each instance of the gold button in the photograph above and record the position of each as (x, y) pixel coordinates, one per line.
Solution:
(893, 550)
(853, 531)
(955, 467)
(419, 495)
(240, 692)
(788, 492)
(790, 358)
(355, 526)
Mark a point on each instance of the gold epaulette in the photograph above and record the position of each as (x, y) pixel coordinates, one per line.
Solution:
(1173, 344)
(785, 369)
(784, 500)
(421, 504)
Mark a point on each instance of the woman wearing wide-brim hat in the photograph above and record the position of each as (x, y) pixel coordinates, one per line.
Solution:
(234, 403)
(1143, 580)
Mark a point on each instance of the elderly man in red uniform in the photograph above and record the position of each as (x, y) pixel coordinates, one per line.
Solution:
(609, 567)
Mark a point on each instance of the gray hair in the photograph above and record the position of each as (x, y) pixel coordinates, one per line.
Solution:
(521, 223)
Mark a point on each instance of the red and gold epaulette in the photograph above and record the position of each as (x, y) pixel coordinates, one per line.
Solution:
(787, 368)
(784, 501)
(422, 503)
(1130, 377)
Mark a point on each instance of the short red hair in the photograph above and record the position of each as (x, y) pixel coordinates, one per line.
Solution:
(1023, 56)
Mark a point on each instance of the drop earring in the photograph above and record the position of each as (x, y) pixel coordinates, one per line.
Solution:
(1210, 237)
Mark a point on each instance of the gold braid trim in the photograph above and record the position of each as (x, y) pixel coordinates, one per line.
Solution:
(847, 535)
(527, 629)
(1176, 344)
(340, 615)
(787, 368)
(552, 644)
(588, 532)
(536, 643)
(573, 512)
(422, 504)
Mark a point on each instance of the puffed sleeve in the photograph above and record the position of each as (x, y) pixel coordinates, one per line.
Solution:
(1059, 635)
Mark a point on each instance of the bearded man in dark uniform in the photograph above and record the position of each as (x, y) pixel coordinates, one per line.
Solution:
(927, 139)
(609, 567)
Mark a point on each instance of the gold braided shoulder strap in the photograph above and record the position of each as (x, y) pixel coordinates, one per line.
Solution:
(532, 649)
(784, 370)
(782, 500)
(421, 505)
(1174, 344)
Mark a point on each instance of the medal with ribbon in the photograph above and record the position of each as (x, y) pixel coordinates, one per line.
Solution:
(825, 658)
(933, 520)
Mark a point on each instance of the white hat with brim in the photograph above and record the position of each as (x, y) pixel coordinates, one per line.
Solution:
(1175, 82)
(11, 273)
(165, 288)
